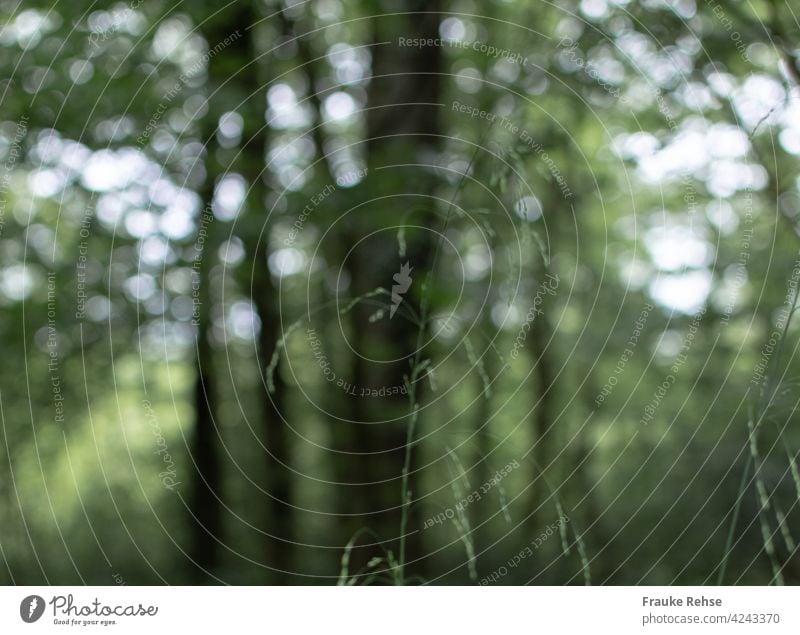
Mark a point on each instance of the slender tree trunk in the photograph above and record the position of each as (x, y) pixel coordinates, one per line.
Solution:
(228, 27)
(543, 414)
(486, 444)
(278, 517)
(278, 512)
(402, 126)
(204, 505)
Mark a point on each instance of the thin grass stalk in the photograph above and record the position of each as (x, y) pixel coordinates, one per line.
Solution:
(415, 370)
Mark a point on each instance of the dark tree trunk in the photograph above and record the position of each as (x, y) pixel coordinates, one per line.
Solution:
(402, 124)
(486, 456)
(278, 518)
(542, 417)
(203, 503)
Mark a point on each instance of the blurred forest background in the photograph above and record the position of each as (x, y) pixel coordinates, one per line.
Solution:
(383, 292)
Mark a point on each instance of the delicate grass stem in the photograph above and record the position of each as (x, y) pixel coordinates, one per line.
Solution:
(416, 367)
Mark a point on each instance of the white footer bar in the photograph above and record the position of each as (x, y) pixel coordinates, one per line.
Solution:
(356, 610)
